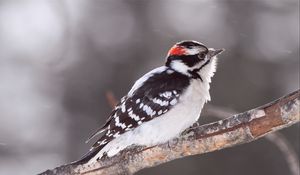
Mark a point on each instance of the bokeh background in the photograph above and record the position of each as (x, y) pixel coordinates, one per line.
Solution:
(58, 58)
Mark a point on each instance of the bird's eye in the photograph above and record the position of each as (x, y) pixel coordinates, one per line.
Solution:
(202, 55)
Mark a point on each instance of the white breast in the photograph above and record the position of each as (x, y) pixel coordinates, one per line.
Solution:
(171, 124)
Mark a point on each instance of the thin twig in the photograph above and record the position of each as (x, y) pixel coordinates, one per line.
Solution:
(111, 99)
(287, 150)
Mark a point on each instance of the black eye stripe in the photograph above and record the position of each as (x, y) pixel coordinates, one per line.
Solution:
(190, 60)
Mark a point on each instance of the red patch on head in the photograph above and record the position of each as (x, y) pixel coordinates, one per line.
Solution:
(176, 50)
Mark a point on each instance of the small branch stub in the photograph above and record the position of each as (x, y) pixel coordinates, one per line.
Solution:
(238, 129)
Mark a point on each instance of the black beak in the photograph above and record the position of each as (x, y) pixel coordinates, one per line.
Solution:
(214, 52)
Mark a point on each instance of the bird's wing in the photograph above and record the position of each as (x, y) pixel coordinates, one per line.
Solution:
(156, 96)
(150, 98)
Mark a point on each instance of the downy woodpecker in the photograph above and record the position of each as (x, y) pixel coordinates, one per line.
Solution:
(161, 104)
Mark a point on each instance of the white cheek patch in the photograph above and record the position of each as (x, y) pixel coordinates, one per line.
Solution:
(179, 66)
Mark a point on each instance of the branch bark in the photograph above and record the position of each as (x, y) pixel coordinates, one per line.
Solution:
(237, 129)
(286, 149)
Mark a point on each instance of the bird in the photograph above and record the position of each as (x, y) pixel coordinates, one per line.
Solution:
(161, 104)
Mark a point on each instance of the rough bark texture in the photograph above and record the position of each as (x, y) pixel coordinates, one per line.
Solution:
(238, 129)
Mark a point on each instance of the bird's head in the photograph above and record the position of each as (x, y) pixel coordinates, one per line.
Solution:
(193, 59)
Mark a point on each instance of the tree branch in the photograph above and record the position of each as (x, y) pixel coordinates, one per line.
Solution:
(276, 138)
(238, 129)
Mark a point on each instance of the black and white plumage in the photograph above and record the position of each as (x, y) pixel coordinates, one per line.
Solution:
(161, 104)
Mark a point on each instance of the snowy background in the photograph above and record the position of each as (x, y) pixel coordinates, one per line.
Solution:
(58, 58)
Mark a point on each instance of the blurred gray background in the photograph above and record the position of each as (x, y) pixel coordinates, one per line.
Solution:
(58, 58)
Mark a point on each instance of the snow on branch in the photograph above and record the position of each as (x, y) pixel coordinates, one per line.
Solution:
(237, 129)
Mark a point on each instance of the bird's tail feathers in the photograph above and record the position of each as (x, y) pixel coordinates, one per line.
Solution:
(99, 131)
